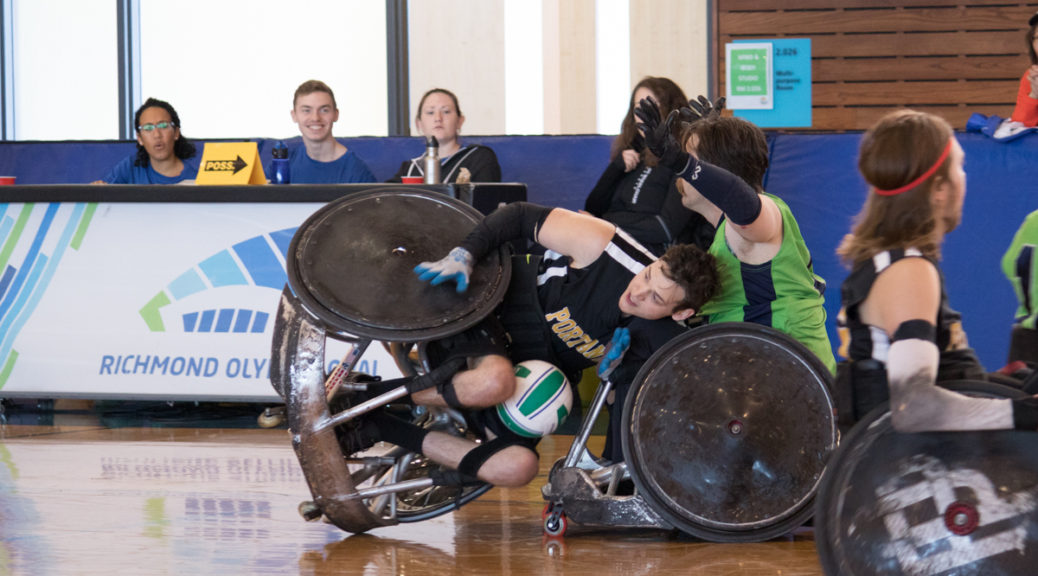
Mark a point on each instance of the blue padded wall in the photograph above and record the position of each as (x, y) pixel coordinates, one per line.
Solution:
(815, 173)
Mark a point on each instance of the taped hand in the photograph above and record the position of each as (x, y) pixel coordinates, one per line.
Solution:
(614, 353)
(659, 136)
(456, 266)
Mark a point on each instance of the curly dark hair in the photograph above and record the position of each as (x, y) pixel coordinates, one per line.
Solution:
(182, 147)
(695, 270)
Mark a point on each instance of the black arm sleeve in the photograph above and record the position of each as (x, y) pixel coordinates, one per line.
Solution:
(738, 200)
(601, 195)
(513, 221)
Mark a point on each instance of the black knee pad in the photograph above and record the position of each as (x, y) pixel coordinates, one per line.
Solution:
(474, 460)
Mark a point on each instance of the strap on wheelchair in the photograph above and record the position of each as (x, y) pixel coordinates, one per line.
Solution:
(861, 385)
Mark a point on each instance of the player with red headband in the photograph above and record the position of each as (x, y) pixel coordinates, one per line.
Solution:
(896, 326)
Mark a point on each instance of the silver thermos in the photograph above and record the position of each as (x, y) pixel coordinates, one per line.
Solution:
(431, 161)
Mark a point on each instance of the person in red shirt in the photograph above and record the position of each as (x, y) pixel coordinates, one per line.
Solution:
(1026, 111)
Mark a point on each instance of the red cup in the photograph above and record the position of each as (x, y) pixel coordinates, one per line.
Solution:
(404, 179)
(7, 180)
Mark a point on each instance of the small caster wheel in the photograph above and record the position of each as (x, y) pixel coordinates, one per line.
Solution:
(555, 522)
(310, 511)
(271, 417)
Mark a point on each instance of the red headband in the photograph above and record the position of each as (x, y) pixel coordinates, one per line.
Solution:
(923, 176)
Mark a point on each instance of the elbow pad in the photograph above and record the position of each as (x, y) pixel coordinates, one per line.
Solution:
(913, 354)
(513, 221)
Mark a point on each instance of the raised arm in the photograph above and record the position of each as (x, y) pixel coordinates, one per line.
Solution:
(755, 218)
(579, 236)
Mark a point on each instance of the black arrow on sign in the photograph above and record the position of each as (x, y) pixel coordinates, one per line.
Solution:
(226, 165)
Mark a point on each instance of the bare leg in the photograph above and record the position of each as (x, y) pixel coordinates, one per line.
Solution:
(489, 381)
(512, 467)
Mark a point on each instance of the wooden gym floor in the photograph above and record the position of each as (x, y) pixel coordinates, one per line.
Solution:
(147, 489)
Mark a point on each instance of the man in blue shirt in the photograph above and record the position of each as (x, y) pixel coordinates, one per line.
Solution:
(322, 159)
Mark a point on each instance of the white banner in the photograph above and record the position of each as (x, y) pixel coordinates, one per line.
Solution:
(146, 300)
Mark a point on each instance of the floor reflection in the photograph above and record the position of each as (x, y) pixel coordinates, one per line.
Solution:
(78, 496)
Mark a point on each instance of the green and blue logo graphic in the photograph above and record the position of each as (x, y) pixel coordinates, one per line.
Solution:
(24, 279)
(258, 261)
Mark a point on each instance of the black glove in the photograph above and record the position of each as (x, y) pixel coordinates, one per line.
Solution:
(659, 138)
(701, 108)
(637, 143)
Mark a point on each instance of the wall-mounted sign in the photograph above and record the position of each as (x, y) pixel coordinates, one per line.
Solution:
(790, 83)
(749, 85)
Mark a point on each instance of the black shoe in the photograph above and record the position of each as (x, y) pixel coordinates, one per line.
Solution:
(357, 435)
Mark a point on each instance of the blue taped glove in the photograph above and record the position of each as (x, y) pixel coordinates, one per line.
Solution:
(456, 266)
(614, 352)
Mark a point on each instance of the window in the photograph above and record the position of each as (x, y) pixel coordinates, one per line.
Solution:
(230, 68)
(65, 69)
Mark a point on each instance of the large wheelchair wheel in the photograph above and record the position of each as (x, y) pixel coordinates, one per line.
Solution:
(350, 275)
(352, 266)
(930, 503)
(727, 431)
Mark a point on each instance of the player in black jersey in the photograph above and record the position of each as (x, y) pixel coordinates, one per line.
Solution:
(593, 279)
(897, 328)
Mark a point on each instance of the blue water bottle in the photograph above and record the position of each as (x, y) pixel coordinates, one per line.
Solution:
(279, 173)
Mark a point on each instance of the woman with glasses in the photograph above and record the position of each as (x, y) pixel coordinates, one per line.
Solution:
(163, 155)
(1026, 111)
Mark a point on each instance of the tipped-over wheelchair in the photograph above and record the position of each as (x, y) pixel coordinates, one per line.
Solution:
(727, 429)
(350, 279)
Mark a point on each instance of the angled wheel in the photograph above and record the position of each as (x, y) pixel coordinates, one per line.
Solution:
(727, 431)
(350, 272)
(930, 503)
(422, 503)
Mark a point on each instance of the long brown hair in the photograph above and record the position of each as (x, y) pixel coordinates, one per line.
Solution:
(902, 146)
(668, 97)
(1031, 31)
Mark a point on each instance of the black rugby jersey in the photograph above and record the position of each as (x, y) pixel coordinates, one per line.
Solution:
(860, 341)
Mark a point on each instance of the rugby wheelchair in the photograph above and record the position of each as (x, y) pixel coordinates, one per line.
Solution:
(350, 279)
(947, 503)
(727, 429)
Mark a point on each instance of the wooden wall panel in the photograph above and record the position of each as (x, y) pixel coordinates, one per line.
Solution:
(459, 45)
(948, 57)
(669, 38)
(569, 66)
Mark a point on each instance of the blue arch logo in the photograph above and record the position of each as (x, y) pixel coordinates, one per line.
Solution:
(252, 262)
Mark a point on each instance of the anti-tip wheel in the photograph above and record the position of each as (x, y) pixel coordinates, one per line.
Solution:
(310, 511)
(271, 417)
